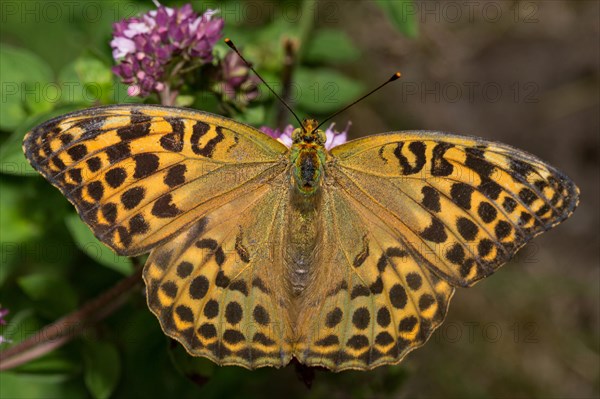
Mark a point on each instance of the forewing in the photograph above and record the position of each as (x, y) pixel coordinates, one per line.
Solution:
(372, 301)
(219, 287)
(138, 173)
(465, 205)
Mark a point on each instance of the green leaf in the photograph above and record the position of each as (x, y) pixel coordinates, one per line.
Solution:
(17, 385)
(194, 368)
(87, 80)
(402, 14)
(253, 116)
(88, 243)
(25, 82)
(15, 227)
(12, 159)
(54, 362)
(43, 289)
(322, 91)
(331, 45)
(102, 368)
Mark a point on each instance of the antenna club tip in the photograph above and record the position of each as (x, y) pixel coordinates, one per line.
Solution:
(395, 76)
(229, 42)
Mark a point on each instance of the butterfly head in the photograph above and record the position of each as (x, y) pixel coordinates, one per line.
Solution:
(309, 134)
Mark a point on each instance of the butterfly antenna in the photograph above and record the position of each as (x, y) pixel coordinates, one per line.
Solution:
(391, 79)
(249, 65)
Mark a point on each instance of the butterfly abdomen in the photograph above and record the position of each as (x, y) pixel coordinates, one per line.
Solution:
(302, 236)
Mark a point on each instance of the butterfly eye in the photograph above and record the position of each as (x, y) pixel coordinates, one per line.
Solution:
(297, 135)
(321, 137)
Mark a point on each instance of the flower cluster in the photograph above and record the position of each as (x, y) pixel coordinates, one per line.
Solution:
(151, 49)
(334, 137)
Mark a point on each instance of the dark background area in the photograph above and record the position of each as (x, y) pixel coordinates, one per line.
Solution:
(522, 73)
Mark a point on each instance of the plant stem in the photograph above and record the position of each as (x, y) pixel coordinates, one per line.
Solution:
(289, 62)
(63, 330)
(293, 57)
(309, 14)
(168, 97)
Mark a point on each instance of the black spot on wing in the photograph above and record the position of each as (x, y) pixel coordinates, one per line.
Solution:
(184, 313)
(145, 165)
(94, 164)
(198, 131)
(358, 342)
(138, 225)
(77, 152)
(215, 248)
(398, 296)
(211, 309)
(115, 177)
(173, 141)
(435, 232)
(461, 195)
(439, 165)
(137, 116)
(527, 196)
(184, 269)
(118, 152)
(383, 317)
(377, 286)
(163, 208)
(521, 168)
(456, 254)
(96, 190)
(240, 286)
(333, 318)
(233, 336)
(475, 160)
(261, 316)
(199, 287)
(175, 175)
(392, 252)
(418, 150)
(502, 229)
(330, 340)
(361, 318)
(233, 313)
(359, 290)
(109, 212)
(431, 198)
(509, 204)
(467, 228)
(260, 285)
(487, 212)
(362, 256)
(414, 281)
(134, 130)
(132, 197)
(222, 280)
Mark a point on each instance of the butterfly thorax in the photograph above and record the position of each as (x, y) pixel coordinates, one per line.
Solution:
(308, 157)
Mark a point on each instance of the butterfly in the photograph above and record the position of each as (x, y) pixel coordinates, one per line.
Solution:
(259, 253)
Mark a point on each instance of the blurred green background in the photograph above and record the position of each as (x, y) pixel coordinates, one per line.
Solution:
(524, 73)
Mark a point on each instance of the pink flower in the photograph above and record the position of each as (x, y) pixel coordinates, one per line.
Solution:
(335, 138)
(285, 136)
(147, 48)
